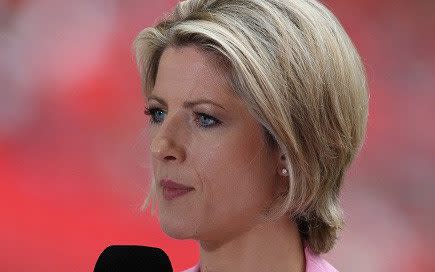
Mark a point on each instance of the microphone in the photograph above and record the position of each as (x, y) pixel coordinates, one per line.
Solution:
(133, 258)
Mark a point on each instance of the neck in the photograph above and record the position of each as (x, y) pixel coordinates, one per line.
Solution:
(271, 246)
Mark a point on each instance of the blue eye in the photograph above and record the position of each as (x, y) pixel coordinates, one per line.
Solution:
(156, 114)
(203, 120)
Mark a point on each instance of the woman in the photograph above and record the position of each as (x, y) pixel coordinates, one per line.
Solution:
(257, 109)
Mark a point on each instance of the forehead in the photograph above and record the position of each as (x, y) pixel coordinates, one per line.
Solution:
(189, 71)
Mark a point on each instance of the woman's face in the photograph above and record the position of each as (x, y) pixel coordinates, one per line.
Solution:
(202, 136)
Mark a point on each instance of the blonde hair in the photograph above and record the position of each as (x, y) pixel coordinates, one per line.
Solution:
(301, 77)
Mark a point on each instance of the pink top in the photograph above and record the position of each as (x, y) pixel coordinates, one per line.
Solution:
(314, 263)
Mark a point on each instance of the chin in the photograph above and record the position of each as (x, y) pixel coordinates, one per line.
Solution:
(177, 229)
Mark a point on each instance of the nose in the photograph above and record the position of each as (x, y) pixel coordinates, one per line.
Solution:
(166, 142)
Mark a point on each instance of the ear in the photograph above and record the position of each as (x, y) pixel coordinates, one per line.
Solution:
(282, 166)
(282, 176)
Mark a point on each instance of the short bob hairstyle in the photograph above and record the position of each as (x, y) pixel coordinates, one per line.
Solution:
(297, 71)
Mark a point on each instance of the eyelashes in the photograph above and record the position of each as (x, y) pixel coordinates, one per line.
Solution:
(201, 119)
(153, 113)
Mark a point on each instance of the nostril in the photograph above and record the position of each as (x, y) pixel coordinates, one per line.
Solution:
(170, 158)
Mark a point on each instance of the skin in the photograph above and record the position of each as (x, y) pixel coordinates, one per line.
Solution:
(224, 157)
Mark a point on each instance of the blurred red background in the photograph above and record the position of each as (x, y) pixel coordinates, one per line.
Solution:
(74, 160)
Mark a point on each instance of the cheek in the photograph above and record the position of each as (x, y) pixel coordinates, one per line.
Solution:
(234, 179)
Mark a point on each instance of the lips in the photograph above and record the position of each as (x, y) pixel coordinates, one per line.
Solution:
(172, 185)
(172, 190)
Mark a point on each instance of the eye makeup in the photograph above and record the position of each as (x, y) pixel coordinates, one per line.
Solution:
(202, 120)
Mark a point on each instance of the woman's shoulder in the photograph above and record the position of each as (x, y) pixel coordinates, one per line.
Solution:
(313, 263)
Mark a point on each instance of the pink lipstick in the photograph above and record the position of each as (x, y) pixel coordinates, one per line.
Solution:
(172, 190)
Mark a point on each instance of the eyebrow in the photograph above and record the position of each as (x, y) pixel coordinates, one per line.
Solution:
(187, 104)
